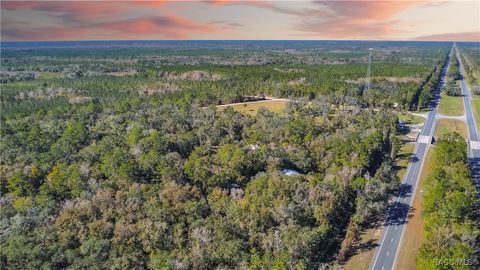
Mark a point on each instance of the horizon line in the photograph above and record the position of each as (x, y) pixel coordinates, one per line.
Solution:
(167, 40)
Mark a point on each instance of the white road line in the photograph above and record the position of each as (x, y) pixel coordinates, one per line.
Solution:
(427, 139)
(425, 151)
(475, 145)
(380, 248)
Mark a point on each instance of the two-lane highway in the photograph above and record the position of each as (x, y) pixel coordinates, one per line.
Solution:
(386, 254)
(473, 137)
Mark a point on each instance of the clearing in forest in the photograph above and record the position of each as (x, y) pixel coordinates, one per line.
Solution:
(273, 105)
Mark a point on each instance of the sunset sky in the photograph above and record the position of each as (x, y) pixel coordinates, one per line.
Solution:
(121, 20)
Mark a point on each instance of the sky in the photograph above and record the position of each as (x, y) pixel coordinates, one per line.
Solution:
(450, 20)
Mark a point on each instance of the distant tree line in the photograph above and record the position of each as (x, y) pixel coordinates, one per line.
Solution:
(426, 91)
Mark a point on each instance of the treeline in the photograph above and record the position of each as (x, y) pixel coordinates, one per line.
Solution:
(471, 67)
(100, 56)
(230, 83)
(426, 91)
(450, 207)
(16, 76)
(154, 184)
(239, 70)
(452, 88)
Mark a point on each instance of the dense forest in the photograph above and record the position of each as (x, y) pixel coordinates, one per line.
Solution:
(163, 186)
(452, 87)
(45, 77)
(116, 157)
(427, 89)
(450, 206)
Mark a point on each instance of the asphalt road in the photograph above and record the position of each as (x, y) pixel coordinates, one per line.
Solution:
(473, 143)
(386, 254)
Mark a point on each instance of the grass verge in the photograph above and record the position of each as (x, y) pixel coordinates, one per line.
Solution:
(410, 119)
(413, 237)
(403, 157)
(445, 126)
(452, 106)
(362, 259)
(476, 111)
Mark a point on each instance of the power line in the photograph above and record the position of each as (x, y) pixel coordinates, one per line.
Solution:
(369, 67)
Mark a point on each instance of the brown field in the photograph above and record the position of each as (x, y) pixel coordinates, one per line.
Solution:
(445, 126)
(50, 75)
(252, 108)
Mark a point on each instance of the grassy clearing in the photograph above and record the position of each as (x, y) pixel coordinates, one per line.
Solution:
(452, 106)
(413, 237)
(50, 75)
(445, 126)
(476, 111)
(410, 119)
(252, 108)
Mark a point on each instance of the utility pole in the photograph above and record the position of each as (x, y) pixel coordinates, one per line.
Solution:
(369, 68)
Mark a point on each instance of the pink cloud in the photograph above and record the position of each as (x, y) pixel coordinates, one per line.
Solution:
(16, 5)
(88, 20)
(462, 36)
(349, 30)
(74, 10)
(83, 10)
(171, 26)
(355, 19)
(168, 26)
(367, 10)
(43, 33)
(59, 6)
(339, 19)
